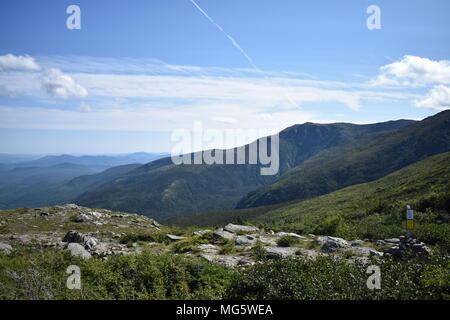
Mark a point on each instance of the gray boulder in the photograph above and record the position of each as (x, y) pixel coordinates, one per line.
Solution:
(86, 240)
(82, 218)
(71, 206)
(246, 241)
(5, 248)
(90, 242)
(77, 250)
(73, 236)
(94, 214)
(332, 244)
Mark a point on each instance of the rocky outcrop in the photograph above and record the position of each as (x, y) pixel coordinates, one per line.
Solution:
(280, 252)
(235, 228)
(233, 245)
(247, 240)
(224, 234)
(406, 245)
(332, 244)
(86, 240)
(73, 236)
(290, 234)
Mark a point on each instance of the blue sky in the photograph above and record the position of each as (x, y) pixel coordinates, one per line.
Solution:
(138, 70)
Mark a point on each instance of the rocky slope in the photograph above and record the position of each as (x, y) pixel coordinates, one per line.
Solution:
(88, 233)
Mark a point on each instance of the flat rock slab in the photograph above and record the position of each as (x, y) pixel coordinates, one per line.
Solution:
(246, 241)
(280, 252)
(221, 233)
(290, 234)
(196, 233)
(234, 228)
(174, 237)
(208, 248)
(392, 240)
(268, 240)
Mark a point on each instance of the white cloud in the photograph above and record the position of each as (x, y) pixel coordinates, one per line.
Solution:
(414, 71)
(18, 77)
(438, 98)
(61, 85)
(20, 63)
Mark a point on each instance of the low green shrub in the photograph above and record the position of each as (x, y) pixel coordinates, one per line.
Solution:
(158, 236)
(258, 251)
(31, 274)
(330, 279)
(287, 241)
(226, 249)
(188, 245)
(434, 234)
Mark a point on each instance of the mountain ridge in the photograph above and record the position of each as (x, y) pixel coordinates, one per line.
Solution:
(363, 161)
(161, 189)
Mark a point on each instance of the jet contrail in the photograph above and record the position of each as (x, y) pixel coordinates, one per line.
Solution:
(250, 60)
(227, 35)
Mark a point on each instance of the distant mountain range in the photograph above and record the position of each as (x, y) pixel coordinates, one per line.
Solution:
(96, 162)
(161, 189)
(6, 158)
(57, 179)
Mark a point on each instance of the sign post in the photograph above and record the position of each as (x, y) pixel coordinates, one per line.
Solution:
(409, 221)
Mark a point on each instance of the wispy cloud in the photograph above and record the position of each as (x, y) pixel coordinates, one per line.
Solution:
(234, 42)
(166, 97)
